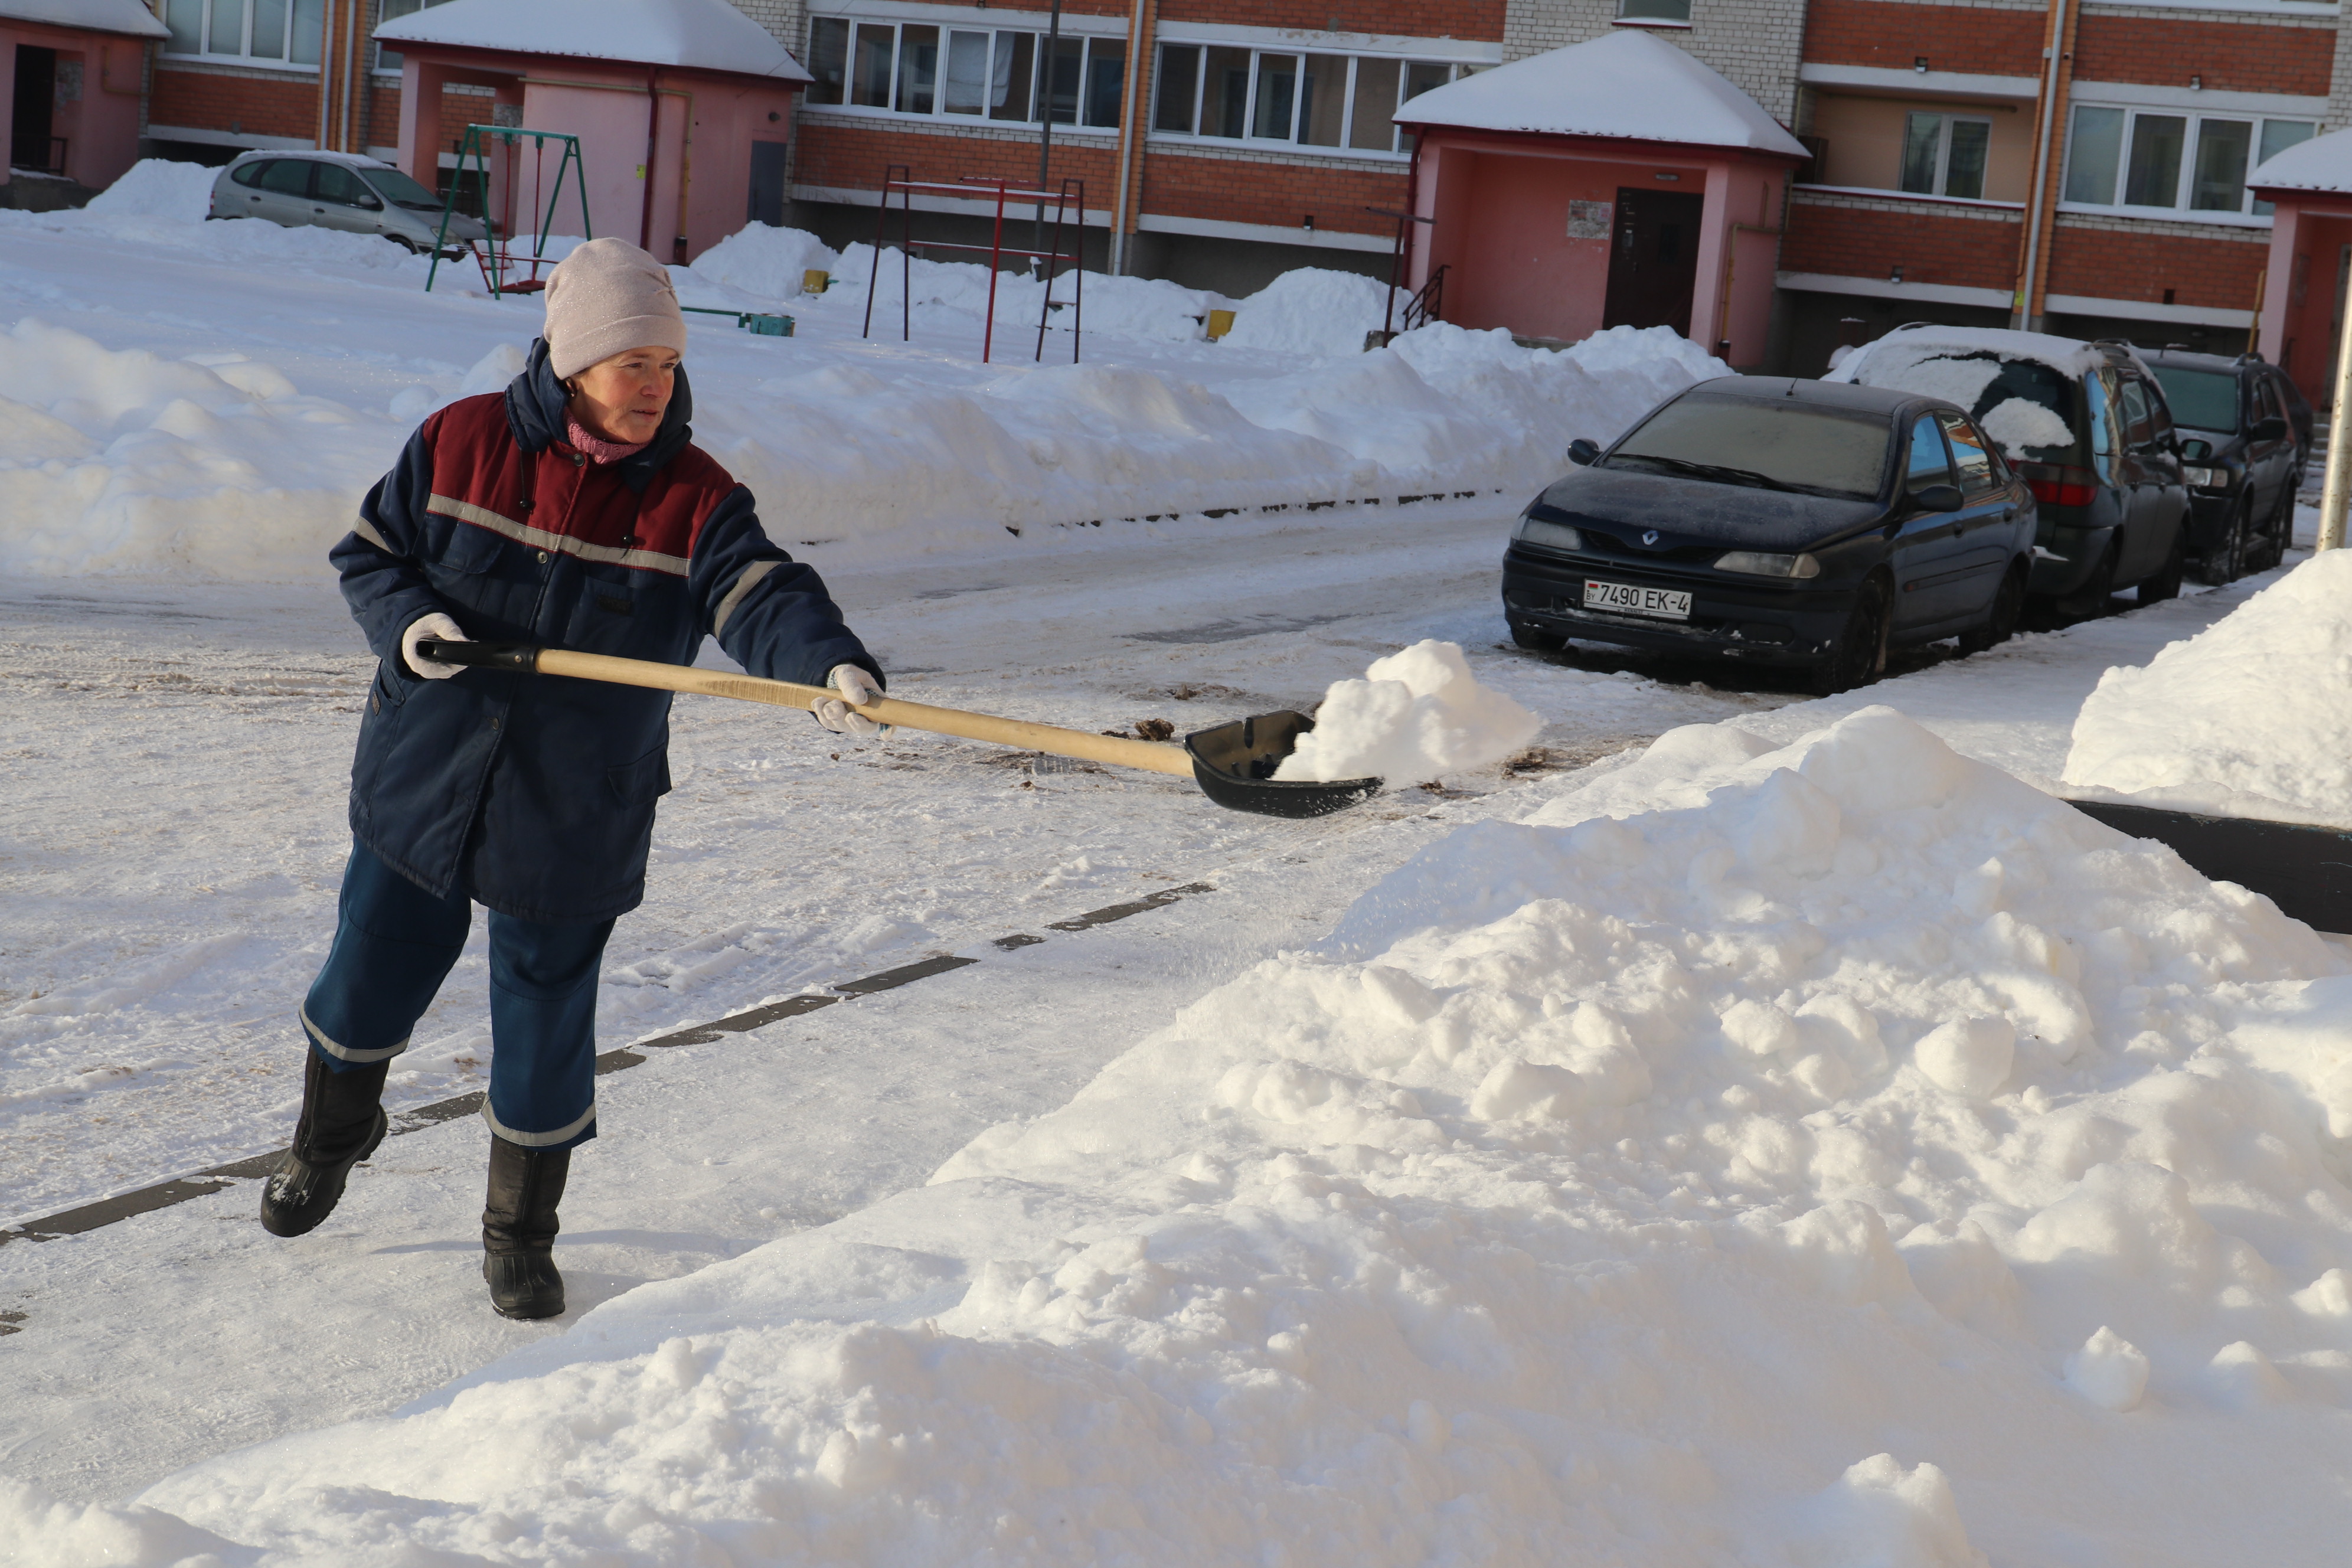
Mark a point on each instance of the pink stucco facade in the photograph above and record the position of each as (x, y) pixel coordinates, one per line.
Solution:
(1503, 226)
(667, 152)
(2310, 249)
(97, 103)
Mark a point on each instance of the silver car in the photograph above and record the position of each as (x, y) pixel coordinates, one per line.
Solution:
(338, 190)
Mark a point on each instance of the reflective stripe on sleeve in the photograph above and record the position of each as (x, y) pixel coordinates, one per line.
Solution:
(744, 583)
(367, 532)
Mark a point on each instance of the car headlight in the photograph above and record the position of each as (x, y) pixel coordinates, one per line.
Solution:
(2206, 479)
(1761, 563)
(1533, 530)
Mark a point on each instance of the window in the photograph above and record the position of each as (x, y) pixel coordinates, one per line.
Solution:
(1928, 464)
(2180, 163)
(1668, 11)
(2208, 398)
(285, 31)
(1970, 456)
(1342, 101)
(336, 184)
(1943, 155)
(392, 11)
(928, 70)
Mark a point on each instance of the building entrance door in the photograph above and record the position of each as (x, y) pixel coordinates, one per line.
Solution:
(37, 107)
(1653, 260)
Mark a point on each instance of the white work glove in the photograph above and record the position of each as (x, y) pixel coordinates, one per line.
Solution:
(857, 689)
(435, 625)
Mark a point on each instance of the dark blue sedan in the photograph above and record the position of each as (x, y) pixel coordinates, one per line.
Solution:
(1777, 522)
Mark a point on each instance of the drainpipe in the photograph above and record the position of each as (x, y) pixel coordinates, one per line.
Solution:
(2025, 316)
(350, 64)
(653, 137)
(1131, 132)
(1046, 115)
(325, 71)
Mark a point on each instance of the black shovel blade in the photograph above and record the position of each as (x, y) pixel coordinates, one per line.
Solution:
(2305, 870)
(1235, 765)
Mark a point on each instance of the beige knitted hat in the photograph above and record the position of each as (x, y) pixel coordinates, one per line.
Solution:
(606, 298)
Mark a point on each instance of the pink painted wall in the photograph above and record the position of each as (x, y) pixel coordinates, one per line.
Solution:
(1502, 213)
(2308, 240)
(704, 126)
(101, 127)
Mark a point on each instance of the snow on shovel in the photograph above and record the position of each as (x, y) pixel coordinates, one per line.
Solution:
(1234, 763)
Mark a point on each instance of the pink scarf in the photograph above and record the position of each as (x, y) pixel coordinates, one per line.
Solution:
(596, 448)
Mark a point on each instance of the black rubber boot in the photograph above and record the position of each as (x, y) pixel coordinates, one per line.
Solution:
(342, 1121)
(519, 1227)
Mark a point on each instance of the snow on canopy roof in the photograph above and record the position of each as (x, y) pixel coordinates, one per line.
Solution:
(1627, 84)
(2322, 163)
(100, 15)
(706, 35)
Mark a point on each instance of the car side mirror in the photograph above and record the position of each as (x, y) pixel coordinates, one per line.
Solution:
(1937, 498)
(2197, 449)
(2271, 429)
(1583, 452)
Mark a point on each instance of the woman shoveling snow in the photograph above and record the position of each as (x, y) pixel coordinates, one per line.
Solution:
(572, 512)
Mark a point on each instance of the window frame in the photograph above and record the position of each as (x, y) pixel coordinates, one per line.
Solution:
(2249, 210)
(284, 61)
(1399, 147)
(1941, 181)
(1039, 88)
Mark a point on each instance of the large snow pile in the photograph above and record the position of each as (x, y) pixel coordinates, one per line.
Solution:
(1837, 1155)
(1416, 714)
(764, 260)
(2252, 717)
(214, 465)
(1311, 310)
(159, 188)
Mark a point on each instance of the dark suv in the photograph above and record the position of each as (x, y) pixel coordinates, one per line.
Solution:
(2085, 424)
(2241, 453)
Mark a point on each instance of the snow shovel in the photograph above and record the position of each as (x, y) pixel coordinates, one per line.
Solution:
(2305, 870)
(1234, 763)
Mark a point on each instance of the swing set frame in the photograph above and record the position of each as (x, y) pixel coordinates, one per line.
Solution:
(494, 255)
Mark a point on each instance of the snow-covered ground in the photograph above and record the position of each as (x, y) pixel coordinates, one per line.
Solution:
(1844, 1156)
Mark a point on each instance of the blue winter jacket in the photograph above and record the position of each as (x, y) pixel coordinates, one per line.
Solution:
(535, 794)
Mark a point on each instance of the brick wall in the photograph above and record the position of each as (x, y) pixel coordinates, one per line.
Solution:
(380, 113)
(1480, 19)
(1177, 185)
(1867, 239)
(1892, 34)
(852, 157)
(241, 103)
(2248, 55)
(2112, 259)
(461, 107)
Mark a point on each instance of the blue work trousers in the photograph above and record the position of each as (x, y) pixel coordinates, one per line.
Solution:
(394, 943)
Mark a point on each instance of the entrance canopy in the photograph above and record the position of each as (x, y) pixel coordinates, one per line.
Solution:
(128, 17)
(691, 34)
(1627, 85)
(2323, 164)
(2310, 187)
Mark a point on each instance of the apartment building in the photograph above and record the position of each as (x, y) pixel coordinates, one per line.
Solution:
(2078, 164)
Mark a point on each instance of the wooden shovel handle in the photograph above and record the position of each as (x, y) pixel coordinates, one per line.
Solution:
(1152, 756)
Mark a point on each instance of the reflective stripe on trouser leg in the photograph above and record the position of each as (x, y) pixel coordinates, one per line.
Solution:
(393, 945)
(543, 1031)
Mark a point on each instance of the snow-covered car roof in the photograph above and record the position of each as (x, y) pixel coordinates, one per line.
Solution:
(127, 17)
(2322, 163)
(702, 35)
(1904, 346)
(1626, 84)
(316, 155)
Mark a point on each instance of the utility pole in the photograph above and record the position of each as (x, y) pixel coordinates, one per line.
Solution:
(2334, 499)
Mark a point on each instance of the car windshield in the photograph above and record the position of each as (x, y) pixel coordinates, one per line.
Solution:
(2200, 399)
(400, 191)
(1777, 445)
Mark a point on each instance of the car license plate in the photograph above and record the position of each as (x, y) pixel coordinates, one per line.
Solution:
(1625, 599)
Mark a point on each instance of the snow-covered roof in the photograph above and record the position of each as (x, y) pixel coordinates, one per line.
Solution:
(1882, 363)
(2322, 163)
(127, 17)
(1627, 84)
(705, 35)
